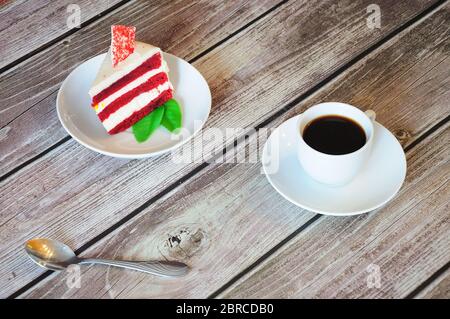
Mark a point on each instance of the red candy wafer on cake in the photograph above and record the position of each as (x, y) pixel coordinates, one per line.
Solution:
(122, 42)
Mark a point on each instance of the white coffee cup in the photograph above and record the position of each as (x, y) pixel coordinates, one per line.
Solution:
(335, 170)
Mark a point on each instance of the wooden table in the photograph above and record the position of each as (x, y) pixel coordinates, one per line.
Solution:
(265, 61)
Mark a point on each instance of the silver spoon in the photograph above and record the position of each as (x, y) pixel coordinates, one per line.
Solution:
(54, 255)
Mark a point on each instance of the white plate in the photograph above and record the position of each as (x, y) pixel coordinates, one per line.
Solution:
(80, 121)
(377, 183)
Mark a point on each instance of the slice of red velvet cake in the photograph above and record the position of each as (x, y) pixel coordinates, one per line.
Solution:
(132, 82)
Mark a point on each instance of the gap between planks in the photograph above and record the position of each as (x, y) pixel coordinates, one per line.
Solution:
(411, 22)
(429, 281)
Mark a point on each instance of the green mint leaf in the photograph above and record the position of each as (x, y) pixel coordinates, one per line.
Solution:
(172, 115)
(147, 125)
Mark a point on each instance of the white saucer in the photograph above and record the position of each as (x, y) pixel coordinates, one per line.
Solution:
(377, 183)
(81, 122)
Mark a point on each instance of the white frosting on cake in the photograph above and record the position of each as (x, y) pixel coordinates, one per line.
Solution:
(134, 105)
(108, 74)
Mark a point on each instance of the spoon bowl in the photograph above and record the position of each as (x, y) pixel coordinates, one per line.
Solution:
(50, 253)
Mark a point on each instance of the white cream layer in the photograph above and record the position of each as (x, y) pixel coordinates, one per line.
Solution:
(134, 105)
(140, 80)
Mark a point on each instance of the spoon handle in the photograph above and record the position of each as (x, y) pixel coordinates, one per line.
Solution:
(159, 268)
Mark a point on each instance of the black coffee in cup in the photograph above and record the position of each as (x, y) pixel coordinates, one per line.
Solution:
(334, 135)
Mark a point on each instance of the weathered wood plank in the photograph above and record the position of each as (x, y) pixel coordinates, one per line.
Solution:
(67, 185)
(184, 28)
(231, 215)
(438, 289)
(407, 240)
(27, 25)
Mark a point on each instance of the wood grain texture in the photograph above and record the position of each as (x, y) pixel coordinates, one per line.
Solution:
(408, 240)
(230, 204)
(28, 25)
(64, 188)
(73, 194)
(438, 289)
(184, 28)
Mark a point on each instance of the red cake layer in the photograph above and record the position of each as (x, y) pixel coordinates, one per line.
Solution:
(136, 116)
(152, 63)
(150, 84)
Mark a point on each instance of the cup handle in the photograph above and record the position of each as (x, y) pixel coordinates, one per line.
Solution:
(371, 115)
